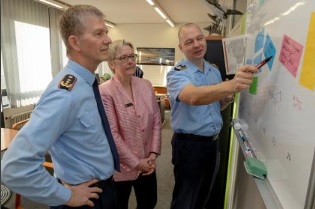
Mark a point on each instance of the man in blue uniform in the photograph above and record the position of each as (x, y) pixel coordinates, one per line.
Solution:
(67, 124)
(197, 94)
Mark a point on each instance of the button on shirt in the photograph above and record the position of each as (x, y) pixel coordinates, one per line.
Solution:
(68, 125)
(204, 120)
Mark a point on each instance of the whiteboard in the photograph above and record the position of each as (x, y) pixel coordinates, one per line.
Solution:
(279, 108)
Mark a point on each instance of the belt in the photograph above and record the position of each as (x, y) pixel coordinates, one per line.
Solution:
(103, 183)
(197, 137)
(99, 184)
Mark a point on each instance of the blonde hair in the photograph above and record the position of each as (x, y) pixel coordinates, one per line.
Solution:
(113, 47)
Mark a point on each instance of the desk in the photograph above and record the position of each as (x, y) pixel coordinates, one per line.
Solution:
(7, 135)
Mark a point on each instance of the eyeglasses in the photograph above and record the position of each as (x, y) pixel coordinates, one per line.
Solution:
(126, 58)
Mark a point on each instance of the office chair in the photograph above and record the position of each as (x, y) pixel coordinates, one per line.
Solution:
(20, 124)
(18, 204)
(47, 164)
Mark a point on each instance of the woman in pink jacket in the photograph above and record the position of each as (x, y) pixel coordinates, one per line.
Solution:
(135, 122)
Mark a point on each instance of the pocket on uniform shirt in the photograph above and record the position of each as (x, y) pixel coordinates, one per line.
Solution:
(89, 119)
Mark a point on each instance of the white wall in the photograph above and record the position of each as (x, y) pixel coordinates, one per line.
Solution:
(151, 35)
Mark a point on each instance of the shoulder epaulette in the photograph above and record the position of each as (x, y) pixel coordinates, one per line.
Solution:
(214, 65)
(180, 67)
(67, 82)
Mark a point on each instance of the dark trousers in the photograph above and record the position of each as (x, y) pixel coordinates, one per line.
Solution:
(107, 199)
(196, 163)
(145, 188)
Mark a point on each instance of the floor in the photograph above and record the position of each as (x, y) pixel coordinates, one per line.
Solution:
(164, 176)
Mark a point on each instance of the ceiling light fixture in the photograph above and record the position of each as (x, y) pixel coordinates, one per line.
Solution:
(55, 4)
(150, 2)
(170, 23)
(161, 12)
(109, 24)
(63, 6)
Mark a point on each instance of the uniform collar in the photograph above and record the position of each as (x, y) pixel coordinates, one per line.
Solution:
(192, 67)
(81, 71)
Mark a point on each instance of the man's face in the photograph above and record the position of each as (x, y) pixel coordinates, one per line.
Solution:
(192, 42)
(94, 42)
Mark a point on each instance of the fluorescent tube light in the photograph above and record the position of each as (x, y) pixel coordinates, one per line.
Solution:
(109, 24)
(150, 2)
(160, 12)
(54, 4)
(170, 23)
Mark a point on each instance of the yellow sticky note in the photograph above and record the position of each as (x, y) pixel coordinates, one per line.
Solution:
(307, 78)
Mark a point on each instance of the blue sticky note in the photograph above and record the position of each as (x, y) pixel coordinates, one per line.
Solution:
(259, 40)
(269, 50)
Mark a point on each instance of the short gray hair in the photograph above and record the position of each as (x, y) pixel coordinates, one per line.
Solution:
(187, 25)
(72, 21)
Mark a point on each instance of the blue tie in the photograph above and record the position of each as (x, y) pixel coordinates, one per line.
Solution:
(106, 125)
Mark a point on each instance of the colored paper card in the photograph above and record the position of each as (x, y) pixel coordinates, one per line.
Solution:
(290, 54)
(234, 53)
(269, 50)
(253, 86)
(307, 78)
(259, 41)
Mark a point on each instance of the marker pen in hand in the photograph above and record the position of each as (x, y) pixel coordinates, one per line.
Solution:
(262, 63)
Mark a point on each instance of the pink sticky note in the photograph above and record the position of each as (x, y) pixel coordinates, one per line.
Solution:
(290, 54)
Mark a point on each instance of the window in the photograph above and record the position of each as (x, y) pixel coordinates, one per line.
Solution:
(4, 95)
(34, 60)
(31, 49)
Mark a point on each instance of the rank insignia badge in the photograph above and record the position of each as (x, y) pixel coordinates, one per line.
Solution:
(214, 65)
(180, 67)
(67, 82)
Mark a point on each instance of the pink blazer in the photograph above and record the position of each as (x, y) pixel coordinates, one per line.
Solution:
(135, 124)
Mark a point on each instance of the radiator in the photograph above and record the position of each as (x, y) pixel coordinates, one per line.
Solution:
(9, 121)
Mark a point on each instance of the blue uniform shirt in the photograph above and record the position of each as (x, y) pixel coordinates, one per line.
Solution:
(204, 120)
(68, 125)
